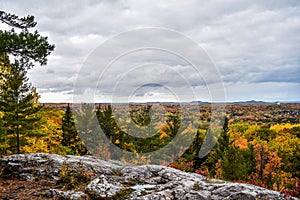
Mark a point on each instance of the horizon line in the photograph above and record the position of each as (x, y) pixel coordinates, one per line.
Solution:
(199, 101)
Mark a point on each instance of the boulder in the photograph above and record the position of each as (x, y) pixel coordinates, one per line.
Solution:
(93, 178)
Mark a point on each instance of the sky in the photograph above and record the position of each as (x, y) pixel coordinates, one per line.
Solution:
(246, 49)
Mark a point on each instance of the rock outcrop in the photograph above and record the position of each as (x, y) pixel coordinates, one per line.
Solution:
(86, 177)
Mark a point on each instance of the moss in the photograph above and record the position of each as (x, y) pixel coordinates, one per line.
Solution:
(123, 194)
(94, 195)
(196, 186)
(117, 172)
(130, 183)
(143, 193)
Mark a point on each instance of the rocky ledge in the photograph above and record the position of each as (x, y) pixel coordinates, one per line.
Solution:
(86, 177)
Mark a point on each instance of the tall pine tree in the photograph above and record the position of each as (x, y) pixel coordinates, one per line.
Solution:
(19, 51)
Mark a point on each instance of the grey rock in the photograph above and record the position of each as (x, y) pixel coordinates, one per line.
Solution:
(72, 195)
(78, 196)
(25, 177)
(104, 187)
(58, 193)
(244, 191)
(198, 195)
(109, 179)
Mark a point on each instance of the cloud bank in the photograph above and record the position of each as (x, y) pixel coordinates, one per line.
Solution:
(254, 44)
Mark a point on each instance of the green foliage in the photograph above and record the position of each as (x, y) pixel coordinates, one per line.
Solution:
(18, 99)
(261, 154)
(196, 187)
(3, 139)
(18, 102)
(88, 128)
(224, 142)
(221, 150)
(236, 164)
(123, 194)
(192, 153)
(15, 21)
(23, 45)
(141, 116)
(265, 134)
(137, 144)
(70, 137)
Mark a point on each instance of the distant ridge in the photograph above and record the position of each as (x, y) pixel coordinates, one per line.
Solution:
(251, 102)
(233, 102)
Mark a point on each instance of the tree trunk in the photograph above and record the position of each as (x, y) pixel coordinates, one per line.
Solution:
(18, 135)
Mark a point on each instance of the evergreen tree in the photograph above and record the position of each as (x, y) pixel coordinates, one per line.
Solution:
(70, 136)
(106, 121)
(235, 165)
(224, 142)
(23, 45)
(18, 99)
(192, 153)
(219, 152)
(18, 103)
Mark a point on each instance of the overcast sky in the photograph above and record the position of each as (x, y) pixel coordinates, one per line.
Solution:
(255, 46)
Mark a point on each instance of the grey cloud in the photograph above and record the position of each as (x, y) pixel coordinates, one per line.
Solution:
(253, 42)
(50, 71)
(286, 75)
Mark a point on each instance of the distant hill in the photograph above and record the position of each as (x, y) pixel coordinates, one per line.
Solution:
(251, 102)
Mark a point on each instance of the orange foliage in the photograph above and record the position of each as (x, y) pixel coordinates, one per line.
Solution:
(242, 143)
(269, 173)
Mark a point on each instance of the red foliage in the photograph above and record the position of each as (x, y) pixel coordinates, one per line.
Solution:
(202, 172)
(183, 165)
(293, 192)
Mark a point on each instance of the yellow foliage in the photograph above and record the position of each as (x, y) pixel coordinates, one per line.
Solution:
(280, 127)
(51, 120)
(164, 131)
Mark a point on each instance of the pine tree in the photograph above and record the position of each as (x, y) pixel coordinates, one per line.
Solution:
(70, 135)
(234, 163)
(88, 128)
(224, 142)
(192, 153)
(19, 50)
(219, 152)
(18, 105)
(23, 45)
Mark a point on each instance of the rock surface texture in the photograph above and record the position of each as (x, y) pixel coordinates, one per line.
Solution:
(86, 177)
